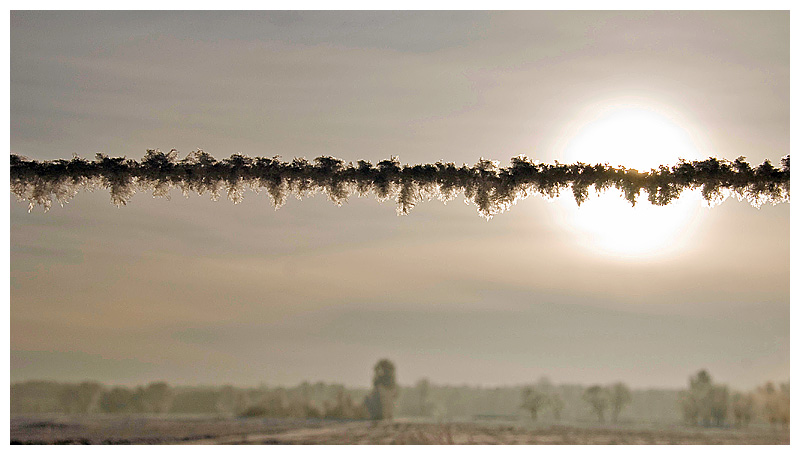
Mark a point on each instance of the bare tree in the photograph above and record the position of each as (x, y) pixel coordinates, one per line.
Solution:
(705, 403)
(700, 392)
(533, 400)
(620, 396)
(598, 397)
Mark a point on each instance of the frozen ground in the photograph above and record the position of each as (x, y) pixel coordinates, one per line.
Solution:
(220, 430)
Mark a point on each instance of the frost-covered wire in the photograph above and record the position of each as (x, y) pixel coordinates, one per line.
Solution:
(493, 189)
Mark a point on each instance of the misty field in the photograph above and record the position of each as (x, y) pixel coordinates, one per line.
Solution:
(220, 430)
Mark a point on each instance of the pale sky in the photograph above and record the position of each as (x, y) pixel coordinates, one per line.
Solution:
(199, 292)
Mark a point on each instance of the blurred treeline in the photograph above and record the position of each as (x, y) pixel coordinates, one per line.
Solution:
(424, 400)
(306, 400)
(710, 404)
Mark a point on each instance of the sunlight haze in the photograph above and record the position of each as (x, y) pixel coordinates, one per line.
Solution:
(193, 291)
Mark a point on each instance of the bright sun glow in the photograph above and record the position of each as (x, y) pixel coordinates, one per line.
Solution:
(640, 138)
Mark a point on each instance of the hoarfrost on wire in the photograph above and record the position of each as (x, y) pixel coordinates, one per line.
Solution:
(492, 188)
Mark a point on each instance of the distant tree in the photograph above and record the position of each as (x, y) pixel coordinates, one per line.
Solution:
(301, 406)
(719, 404)
(783, 415)
(701, 378)
(700, 392)
(743, 405)
(343, 407)
(385, 374)
(276, 403)
(195, 400)
(380, 402)
(372, 403)
(305, 391)
(117, 400)
(231, 400)
(303, 409)
(313, 412)
(769, 401)
(455, 401)
(556, 405)
(359, 412)
(784, 407)
(689, 408)
(157, 397)
(533, 400)
(80, 398)
(704, 403)
(598, 398)
(66, 399)
(775, 403)
(620, 397)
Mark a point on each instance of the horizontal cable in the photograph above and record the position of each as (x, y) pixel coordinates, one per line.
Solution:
(493, 189)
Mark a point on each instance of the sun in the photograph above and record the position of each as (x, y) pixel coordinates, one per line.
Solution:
(642, 138)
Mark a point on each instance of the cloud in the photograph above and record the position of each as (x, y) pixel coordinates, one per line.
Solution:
(491, 188)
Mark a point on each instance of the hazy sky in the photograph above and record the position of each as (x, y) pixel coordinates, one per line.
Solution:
(193, 291)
